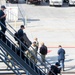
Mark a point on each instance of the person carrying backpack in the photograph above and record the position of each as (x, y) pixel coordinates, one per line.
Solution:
(25, 42)
(54, 70)
(43, 51)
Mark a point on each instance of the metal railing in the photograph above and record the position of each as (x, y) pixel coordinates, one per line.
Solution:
(46, 64)
(21, 14)
(11, 43)
(18, 17)
(4, 58)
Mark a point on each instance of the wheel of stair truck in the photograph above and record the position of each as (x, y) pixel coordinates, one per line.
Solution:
(55, 2)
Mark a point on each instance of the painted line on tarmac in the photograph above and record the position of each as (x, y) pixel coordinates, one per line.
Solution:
(63, 47)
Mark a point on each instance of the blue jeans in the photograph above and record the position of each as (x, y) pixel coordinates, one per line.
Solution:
(62, 61)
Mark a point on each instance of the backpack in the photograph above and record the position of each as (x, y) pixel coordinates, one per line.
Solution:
(16, 36)
(51, 70)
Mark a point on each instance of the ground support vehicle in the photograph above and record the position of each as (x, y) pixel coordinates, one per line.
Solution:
(56, 2)
(71, 2)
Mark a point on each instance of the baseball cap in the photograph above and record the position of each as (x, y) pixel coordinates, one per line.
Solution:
(3, 7)
(57, 63)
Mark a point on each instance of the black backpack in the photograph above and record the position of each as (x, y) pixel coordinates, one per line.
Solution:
(16, 36)
(51, 70)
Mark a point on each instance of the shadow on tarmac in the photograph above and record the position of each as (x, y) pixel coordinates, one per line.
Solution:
(54, 59)
(70, 68)
(33, 19)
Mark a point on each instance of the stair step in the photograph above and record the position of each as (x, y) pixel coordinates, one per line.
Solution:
(9, 69)
(10, 72)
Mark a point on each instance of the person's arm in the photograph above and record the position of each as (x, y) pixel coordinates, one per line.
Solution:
(58, 52)
(3, 16)
(64, 51)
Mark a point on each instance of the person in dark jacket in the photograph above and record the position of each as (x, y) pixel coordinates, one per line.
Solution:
(20, 35)
(43, 51)
(2, 22)
(61, 56)
(26, 43)
(20, 31)
(23, 37)
(54, 70)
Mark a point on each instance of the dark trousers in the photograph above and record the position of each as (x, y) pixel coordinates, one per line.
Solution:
(3, 29)
(23, 49)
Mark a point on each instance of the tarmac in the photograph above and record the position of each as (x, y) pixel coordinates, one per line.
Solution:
(52, 55)
(49, 34)
(52, 52)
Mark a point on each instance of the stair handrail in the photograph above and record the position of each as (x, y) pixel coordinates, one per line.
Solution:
(16, 31)
(23, 18)
(6, 57)
(31, 46)
(22, 51)
(26, 47)
(8, 64)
